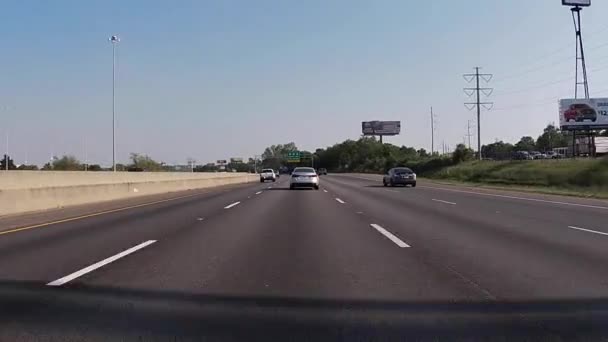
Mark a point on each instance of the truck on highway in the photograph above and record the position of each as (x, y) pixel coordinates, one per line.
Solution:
(267, 174)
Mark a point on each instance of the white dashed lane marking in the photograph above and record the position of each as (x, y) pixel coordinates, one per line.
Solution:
(97, 265)
(232, 205)
(390, 236)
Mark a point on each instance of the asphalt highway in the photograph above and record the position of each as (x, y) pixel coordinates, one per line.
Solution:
(351, 261)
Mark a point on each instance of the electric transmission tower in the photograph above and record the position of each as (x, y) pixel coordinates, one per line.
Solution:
(478, 104)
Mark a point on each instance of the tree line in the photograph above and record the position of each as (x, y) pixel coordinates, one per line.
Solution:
(367, 154)
(137, 163)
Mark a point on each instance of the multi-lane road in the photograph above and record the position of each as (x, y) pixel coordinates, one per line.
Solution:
(352, 261)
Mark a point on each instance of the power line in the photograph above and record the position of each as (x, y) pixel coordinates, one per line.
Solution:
(541, 85)
(478, 104)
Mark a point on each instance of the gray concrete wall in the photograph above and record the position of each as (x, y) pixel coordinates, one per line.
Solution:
(24, 191)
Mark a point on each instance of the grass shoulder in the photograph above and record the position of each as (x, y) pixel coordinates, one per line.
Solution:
(580, 177)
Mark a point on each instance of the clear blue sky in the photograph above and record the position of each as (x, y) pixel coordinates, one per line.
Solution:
(226, 78)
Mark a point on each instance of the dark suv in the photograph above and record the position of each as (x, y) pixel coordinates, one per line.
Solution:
(580, 112)
(322, 171)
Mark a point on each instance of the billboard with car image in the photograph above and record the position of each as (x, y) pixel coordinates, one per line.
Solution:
(583, 114)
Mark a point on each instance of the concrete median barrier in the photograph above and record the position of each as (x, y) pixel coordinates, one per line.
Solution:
(25, 191)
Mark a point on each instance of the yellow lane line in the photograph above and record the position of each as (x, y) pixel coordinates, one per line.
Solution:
(14, 230)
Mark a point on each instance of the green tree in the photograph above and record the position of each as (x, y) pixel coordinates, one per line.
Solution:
(67, 163)
(143, 162)
(422, 153)
(526, 144)
(461, 154)
(94, 167)
(498, 150)
(275, 156)
(28, 167)
(551, 137)
(11, 164)
(210, 167)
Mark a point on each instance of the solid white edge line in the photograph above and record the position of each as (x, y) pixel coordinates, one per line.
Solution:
(517, 198)
(588, 230)
(259, 192)
(340, 201)
(442, 201)
(97, 265)
(232, 205)
(390, 236)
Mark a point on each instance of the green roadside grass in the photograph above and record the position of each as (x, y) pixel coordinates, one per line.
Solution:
(580, 177)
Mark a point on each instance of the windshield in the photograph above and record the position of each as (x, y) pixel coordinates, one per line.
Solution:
(402, 170)
(304, 170)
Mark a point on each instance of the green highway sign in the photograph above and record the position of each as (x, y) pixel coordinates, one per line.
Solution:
(293, 157)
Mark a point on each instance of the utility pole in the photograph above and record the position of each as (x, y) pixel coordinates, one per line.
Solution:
(86, 155)
(580, 54)
(469, 134)
(6, 154)
(477, 104)
(432, 131)
(114, 40)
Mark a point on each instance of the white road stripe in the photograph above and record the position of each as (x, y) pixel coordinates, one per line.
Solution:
(340, 201)
(588, 230)
(102, 263)
(441, 201)
(517, 198)
(390, 236)
(259, 192)
(232, 205)
(324, 190)
(391, 190)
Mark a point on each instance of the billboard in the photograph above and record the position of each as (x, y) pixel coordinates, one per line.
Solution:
(236, 160)
(583, 114)
(576, 2)
(381, 127)
(221, 162)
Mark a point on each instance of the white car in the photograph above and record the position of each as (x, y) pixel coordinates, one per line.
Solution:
(267, 174)
(304, 177)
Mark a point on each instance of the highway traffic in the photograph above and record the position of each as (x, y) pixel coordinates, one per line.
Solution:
(352, 260)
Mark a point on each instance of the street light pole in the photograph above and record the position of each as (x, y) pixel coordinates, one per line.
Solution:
(114, 40)
(6, 154)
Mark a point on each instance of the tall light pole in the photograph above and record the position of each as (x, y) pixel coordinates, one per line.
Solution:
(6, 154)
(114, 40)
(432, 131)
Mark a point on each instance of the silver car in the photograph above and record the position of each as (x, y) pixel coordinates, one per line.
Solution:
(399, 176)
(304, 177)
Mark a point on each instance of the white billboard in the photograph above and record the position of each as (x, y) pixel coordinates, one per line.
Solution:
(583, 113)
(576, 3)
